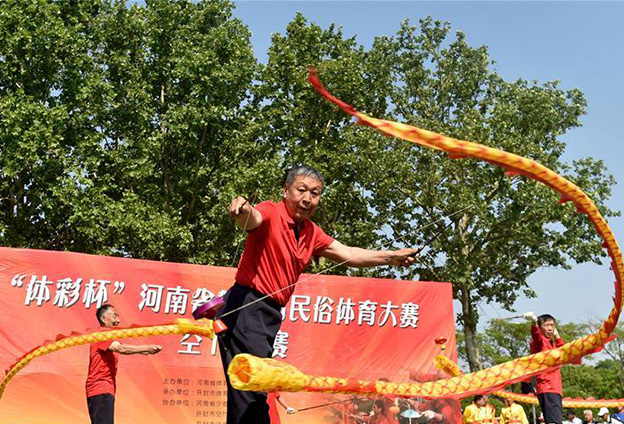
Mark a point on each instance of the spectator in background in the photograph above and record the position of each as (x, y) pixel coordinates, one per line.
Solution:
(619, 416)
(588, 417)
(513, 413)
(605, 415)
(479, 411)
(572, 418)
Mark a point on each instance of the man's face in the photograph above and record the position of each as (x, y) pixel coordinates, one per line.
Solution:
(303, 197)
(589, 415)
(110, 318)
(571, 417)
(548, 328)
(482, 402)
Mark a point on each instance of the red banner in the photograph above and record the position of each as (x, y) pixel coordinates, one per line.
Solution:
(339, 326)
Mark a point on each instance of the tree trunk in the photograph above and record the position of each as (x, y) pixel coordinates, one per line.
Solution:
(470, 319)
(469, 315)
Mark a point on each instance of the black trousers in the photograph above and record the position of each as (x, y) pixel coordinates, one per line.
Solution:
(101, 408)
(250, 330)
(552, 407)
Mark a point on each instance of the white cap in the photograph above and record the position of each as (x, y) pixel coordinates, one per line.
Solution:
(603, 411)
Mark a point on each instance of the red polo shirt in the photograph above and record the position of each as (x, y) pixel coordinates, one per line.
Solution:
(102, 374)
(273, 259)
(550, 381)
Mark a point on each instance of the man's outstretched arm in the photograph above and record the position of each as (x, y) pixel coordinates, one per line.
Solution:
(361, 258)
(129, 349)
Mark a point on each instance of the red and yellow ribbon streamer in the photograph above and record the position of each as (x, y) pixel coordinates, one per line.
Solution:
(451, 368)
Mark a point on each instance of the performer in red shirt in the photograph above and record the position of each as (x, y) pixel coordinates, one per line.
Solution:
(101, 379)
(281, 240)
(544, 336)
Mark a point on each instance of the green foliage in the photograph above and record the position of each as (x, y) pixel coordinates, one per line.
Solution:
(600, 381)
(121, 127)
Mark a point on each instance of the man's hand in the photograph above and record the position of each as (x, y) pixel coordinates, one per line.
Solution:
(153, 349)
(530, 316)
(404, 257)
(290, 410)
(238, 206)
(244, 214)
(556, 334)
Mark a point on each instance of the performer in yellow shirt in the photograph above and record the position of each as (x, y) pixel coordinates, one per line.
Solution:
(479, 411)
(513, 413)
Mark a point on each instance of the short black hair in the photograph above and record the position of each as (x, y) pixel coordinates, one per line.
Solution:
(101, 311)
(545, 318)
(477, 398)
(305, 171)
(570, 412)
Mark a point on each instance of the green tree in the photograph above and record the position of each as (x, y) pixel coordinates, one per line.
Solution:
(600, 381)
(124, 129)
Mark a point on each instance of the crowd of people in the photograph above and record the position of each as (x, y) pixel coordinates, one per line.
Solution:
(480, 411)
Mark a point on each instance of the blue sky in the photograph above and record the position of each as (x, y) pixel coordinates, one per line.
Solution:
(578, 43)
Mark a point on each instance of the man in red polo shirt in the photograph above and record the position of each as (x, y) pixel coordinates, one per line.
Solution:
(544, 336)
(101, 378)
(281, 240)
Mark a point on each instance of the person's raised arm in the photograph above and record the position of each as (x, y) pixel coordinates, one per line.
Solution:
(536, 334)
(361, 258)
(128, 349)
(244, 214)
(558, 340)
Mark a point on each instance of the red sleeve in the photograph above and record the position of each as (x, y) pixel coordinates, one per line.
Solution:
(266, 209)
(537, 339)
(559, 342)
(321, 240)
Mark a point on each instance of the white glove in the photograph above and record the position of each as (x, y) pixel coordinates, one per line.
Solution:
(290, 410)
(429, 415)
(530, 316)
